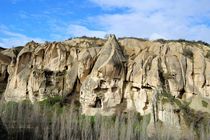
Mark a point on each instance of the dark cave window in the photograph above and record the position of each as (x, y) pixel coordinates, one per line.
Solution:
(114, 89)
(6, 76)
(181, 93)
(48, 73)
(49, 83)
(98, 89)
(97, 103)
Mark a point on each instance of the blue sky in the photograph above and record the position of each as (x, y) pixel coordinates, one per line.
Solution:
(56, 20)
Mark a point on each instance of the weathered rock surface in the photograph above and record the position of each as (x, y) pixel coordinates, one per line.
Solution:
(111, 76)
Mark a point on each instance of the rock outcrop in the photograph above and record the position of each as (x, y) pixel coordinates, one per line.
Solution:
(103, 88)
(113, 75)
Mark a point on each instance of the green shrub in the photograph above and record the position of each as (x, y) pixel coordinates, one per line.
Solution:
(204, 103)
(50, 101)
(203, 43)
(161, 41)
(188, 53)
(140, 39)
(208, 54)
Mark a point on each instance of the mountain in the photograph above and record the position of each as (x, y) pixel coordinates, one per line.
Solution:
(167, 79)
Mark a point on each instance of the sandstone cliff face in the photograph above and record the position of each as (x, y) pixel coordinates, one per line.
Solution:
(110, 76)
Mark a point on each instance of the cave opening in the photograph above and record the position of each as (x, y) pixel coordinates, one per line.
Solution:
(182, 91)
(97, 103)
(48, 73)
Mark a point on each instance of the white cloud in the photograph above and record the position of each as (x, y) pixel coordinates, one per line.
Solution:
(178, 7)
(188, 19)
(145, 18)
(155, 36)
(10, 39)
(64, 31)
(78, 30)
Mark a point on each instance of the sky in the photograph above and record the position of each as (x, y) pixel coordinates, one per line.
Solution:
(56, 20)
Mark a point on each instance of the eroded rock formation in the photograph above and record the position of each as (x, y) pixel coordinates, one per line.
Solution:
(111, 76)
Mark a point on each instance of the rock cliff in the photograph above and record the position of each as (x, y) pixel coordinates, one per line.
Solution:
(163, 78)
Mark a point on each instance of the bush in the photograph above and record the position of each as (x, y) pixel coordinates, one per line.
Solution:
(203, 43)
(50, 101)
(208, 54)
(204, 103)
(188, 53)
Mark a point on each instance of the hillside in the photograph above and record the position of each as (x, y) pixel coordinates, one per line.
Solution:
(168, 79)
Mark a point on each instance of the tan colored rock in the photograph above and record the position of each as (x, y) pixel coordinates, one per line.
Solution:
(103, 88)
(112, 76)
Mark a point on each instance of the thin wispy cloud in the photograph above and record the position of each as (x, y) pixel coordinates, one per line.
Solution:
(77, 30)
(10, 39)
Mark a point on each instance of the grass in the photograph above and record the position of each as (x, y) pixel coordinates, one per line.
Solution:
(50, 101)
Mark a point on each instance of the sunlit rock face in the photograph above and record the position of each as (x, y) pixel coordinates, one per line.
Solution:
(112, 75)
(50, 69)
(102, 91)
